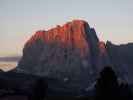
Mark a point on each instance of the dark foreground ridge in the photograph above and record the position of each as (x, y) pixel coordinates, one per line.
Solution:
(17, 85)
(14, 86)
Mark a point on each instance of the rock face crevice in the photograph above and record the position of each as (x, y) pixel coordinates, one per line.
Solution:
(71, 51)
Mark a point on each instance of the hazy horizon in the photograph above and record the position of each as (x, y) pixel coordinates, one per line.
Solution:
(20, 19)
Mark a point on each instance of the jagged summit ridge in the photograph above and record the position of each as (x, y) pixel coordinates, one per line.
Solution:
(70, 34)
(66, 28)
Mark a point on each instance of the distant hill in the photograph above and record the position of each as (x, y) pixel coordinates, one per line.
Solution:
(10, 58)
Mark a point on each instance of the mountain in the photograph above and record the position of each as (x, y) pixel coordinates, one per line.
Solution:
(73, 54)
(10, 58)
(121, 57)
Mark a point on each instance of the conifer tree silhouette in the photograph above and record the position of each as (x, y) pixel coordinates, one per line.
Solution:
(107, 86)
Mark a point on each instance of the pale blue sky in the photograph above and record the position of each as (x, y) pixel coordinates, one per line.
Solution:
(19, 19)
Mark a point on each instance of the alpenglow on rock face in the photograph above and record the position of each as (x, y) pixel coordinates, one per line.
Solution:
(72, 51)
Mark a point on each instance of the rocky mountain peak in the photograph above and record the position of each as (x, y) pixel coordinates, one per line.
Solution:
(70, 34)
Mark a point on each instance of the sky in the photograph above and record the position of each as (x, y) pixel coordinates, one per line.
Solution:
(20, 19)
